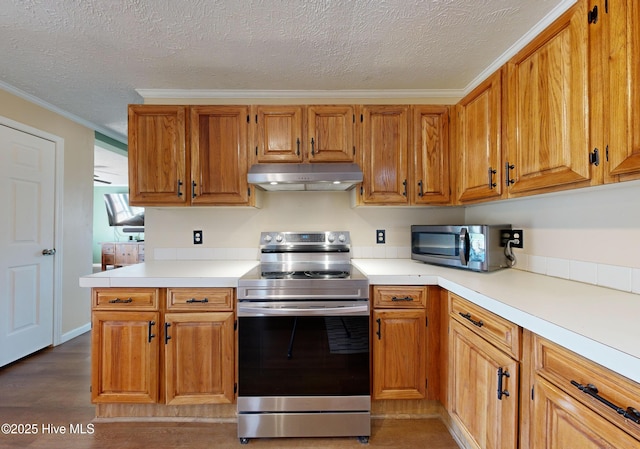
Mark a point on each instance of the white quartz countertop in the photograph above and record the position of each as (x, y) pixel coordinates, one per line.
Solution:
(166, 273)
(599, 323)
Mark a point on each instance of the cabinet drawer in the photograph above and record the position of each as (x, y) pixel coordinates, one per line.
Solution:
(397, 296)
(502, 333)
(125, 298)
(108, 248)
(200, 299)
(565, 369)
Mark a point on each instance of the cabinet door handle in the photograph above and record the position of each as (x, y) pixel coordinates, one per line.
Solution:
(590, 389)
(151, 335)
(179, 188)
(420, 189)
(192, 300)
(298, 145)
(467, 316)
(501, 392)
(167, 337)
(404, 183)
(120, 301)
(193, 189)
(406, 298)
(491, 173)
(508, 167)
(313, 147)
(379, 333)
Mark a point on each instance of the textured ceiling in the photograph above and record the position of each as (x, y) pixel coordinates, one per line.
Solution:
(87, 57)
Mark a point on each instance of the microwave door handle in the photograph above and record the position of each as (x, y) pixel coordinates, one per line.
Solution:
(464, 246)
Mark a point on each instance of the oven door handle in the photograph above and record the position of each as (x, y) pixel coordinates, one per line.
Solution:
(258, 310)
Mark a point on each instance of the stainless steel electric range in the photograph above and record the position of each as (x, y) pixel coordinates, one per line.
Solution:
(303, 340)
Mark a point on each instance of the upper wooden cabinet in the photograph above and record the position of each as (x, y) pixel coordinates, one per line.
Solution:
(615, 63)
(322, 133)
(547, 98)
(405, 154)
(385, 148)
(181, 155)
(279, 133)
(158, 157)
(478, 150)
(331, 134)
(430, 174)
(219, 162)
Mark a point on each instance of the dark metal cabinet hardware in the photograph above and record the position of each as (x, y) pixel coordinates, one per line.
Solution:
(467, 316)
(120, 301)
(151, 335)
(502, 373)
(590, 389)
(204, 300)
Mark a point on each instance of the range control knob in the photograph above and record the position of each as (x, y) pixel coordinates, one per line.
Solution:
(331, 238)
(279, 238)
(342, 238)
(268, 238)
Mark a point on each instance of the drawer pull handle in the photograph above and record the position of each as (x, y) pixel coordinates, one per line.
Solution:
(405, 298)
(192, 300)
(590, 389)
(120, 301)
(501, 392)
(467, 316)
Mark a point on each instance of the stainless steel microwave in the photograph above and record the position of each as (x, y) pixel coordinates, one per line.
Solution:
(472, 247)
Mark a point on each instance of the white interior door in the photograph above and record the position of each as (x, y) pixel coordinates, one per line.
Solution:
(27, 202)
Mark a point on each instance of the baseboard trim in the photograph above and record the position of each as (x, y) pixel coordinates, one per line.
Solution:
(75, 333)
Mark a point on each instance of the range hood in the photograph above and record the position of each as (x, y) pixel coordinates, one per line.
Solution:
(294, 177)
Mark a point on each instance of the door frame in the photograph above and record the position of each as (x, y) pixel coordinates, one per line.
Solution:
(57, 221)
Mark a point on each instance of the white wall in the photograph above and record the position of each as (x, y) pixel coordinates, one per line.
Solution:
(235, 232)
(591, 234)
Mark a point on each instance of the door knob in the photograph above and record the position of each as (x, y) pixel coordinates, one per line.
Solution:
(48, 252)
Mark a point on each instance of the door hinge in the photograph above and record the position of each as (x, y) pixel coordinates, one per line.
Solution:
(606, 153)
(256, 150)
(354, 150)
(248, 191)
(235, 388)
(248, 119)
(426, 384)
(361, 118)
(361, 190)
(235, 325)
(426, 321)
(256, 118)
(594, 157)
(354, 118)
(532, 389)
(606, 6)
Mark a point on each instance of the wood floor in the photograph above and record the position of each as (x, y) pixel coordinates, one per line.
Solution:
(47, 394)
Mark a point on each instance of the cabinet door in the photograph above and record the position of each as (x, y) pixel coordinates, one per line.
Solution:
(621, 88)
(125, 350)
(157, 155)
(399, 354)
(199, 358)
(126, 254)
(219, 155)
(330, 134)
(474, 379)
(559, 422)
(548, 108)
(279, 133)
(385, 144)
(430, 182)
(478, 121)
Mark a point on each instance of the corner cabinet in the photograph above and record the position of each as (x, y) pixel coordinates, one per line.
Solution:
(181, 155)
(484, 352)
(547, 119)
(478, 151)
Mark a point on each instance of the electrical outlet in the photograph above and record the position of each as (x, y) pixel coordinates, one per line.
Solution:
(515, 235)
(380, 236)
(197, 237)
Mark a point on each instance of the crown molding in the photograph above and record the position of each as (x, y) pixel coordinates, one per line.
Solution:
(361, 93)
(538, 28)
(74, 118)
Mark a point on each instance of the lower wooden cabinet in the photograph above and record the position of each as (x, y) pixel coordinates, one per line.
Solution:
(399, 348)
(483, 376)
(199, 349)
(142, 355)
(125, 353)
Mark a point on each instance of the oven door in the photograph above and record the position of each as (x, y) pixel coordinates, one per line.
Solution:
(302, 349)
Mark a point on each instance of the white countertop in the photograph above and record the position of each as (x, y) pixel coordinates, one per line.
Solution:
(599, 323)
(171, 273)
